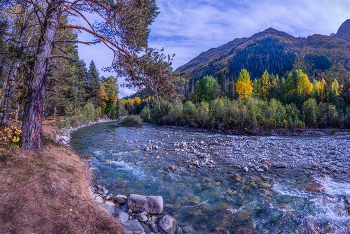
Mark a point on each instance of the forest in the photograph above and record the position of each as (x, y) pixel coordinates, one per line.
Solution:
(268, 102)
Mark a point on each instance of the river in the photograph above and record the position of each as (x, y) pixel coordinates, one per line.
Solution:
(214, 183)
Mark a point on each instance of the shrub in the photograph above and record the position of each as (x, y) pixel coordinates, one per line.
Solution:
(174, 116)
(134, 120)
(146, 114)
(190, 114)
(203, 114)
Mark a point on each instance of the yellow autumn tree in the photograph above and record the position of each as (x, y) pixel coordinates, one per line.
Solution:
(103, 96)
(262, 86)
(335, 87)
(244, 86)
(137, 100)
(304, 86)
(323, 83)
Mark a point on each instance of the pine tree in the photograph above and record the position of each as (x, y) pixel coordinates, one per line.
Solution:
(93, 83)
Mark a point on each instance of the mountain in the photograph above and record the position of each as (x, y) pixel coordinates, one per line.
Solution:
(344, 30)
(278, 52)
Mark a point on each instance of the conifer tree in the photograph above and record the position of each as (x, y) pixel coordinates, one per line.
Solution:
(93, 83)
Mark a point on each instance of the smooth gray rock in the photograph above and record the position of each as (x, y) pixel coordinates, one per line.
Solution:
(148, 204)
(280, 165)
(121, 199)
(122, 217)
(142, 217)
(108, 208)
(134, 227)
(168, 224)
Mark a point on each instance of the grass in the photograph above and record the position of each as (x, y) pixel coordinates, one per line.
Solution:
(46, 191)
(134, 121)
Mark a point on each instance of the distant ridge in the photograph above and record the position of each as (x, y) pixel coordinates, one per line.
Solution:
(278, 52)
(344, 30)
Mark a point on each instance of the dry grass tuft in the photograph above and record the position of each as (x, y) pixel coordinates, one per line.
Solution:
(47, 192)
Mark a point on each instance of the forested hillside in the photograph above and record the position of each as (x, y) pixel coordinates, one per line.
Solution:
(318, 56)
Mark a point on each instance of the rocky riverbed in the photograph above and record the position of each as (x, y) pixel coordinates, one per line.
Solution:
(215, 183)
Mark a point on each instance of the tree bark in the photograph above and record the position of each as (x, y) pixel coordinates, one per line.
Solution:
(10, 81)
(31, 137)
(17, 111)
(2, 92)
(54, 111)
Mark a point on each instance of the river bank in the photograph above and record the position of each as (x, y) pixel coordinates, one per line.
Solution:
(47, 191)
(266, 132)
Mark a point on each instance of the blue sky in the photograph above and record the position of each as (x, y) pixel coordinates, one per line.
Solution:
(188, 28)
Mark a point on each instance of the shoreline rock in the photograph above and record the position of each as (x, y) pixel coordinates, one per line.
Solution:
(148, 204)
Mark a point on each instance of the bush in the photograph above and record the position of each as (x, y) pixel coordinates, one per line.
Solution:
(134, 120)
(190, 114)
(146, 114)
(203, 114)
(174, 116)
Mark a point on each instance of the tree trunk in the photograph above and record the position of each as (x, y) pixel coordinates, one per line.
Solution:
(54, 111)
(31, 137)
(17, 111)
(10, 81)
(2, 92)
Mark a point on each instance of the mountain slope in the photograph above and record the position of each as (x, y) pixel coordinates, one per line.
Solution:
(278, 52)
(344, 30)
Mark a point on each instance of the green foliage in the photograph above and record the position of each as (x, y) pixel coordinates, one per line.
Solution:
(207, 89)
(87, 113)
(190, 114)
(146, 114)
(174, 117)
(134, 121)
(92, 83)
(310, 112)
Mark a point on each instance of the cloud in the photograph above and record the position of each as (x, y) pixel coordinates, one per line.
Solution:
(124, 92)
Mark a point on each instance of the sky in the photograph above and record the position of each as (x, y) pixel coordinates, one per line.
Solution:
(187, 28)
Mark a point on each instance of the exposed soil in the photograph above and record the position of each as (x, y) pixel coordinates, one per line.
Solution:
(46, 191)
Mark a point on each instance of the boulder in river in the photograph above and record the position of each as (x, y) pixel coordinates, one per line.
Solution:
(121, 199)
(122, 217)
(134, 227)
(280, 165)
(142, 217)
(108, 208)
(148, 204)
(168, 224)
(314, 187)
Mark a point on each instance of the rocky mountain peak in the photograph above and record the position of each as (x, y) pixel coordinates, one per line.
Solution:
(344, 30)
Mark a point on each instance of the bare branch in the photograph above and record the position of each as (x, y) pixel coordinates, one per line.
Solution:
(80, 42)
(64, 57)
(102, 38)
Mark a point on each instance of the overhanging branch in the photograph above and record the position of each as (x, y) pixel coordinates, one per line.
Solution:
(102, 38)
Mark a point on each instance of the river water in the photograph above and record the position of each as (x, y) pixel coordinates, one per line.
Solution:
(203, 190)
